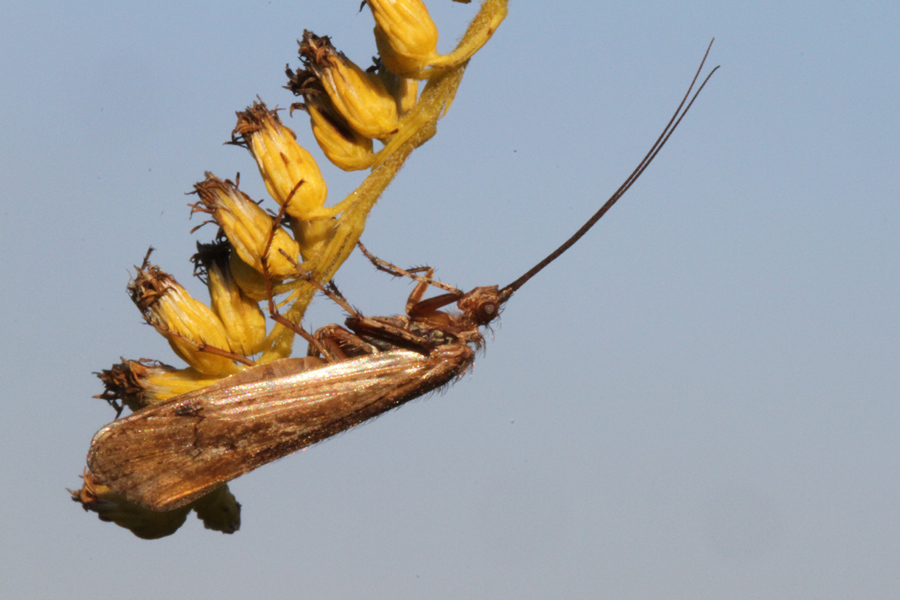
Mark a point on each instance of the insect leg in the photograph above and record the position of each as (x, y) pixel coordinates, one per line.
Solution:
(415, 306)
(276, 316)
(343, 343)
(369, 334)
(200, 347)
(427, 280)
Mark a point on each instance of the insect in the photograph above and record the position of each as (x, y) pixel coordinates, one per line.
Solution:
(168, 455)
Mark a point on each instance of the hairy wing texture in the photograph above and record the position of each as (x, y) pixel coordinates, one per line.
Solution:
(168, 455)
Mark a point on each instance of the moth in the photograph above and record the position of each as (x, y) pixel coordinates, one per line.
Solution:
(168, 455)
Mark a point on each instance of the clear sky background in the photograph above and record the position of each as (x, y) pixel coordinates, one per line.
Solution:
(700, 400)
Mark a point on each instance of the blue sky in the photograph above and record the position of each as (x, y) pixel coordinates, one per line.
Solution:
(700, 400)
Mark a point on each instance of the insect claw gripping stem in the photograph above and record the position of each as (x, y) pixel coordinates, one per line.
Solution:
(334, 289)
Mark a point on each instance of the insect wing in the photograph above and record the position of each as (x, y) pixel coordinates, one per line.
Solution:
(168, 455)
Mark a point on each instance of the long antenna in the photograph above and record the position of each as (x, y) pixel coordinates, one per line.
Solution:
(648, 158)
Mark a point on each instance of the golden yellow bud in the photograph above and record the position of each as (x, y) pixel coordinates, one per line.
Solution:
(288, 170)
(251, 281)
(140, 383)
(247, 226)
(359, 97)
(161, 386)
(405, 35)
(404, 89)
(191, 327)
(245, 323)
(342, 144)
(312, 235)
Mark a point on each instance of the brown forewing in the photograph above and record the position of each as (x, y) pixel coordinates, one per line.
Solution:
(168, 455)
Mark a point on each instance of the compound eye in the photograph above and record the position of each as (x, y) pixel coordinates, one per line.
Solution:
(488, 312)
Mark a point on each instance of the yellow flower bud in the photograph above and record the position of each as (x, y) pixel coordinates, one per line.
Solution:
(247, 226)
(342, 144)
(245, 323)
(359, 97)
(161, 386)
(405, 35)
(404, 90)
(140, 383)
(251, 281)
(282, 162)
(312, 235)
(188, 324)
